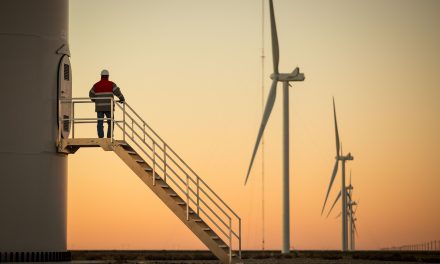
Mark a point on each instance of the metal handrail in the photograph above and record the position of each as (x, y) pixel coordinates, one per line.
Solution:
(180, 159)
(190, 189)
(163, 159)
(181, 180)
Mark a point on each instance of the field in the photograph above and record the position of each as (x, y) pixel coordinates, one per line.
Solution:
(256, 257)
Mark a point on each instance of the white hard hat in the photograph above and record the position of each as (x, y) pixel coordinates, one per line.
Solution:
(104, 73)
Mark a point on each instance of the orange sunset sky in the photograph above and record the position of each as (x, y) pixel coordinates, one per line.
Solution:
(192, 69)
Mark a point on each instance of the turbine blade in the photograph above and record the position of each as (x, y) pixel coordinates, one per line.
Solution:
(334, 203)
(350, 177)
(275, 45)
(342, 152)
(335, 171)
(336, 129)
(267, 110)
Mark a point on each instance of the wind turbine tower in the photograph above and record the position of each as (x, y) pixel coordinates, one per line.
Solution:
(285, 78)
(34, 68)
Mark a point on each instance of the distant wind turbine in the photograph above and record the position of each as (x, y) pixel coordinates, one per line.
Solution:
(351, 213)
(343, 192)
(285, 78)
(352, 208)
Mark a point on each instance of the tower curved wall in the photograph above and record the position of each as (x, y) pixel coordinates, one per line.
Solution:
(33, 176)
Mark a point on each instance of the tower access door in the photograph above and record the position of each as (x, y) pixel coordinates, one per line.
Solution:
(64, 95)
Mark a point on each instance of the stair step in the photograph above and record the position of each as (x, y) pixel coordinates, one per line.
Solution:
(184, 206)
(125, 146)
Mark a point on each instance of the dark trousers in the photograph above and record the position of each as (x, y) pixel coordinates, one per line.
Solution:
(101, 123)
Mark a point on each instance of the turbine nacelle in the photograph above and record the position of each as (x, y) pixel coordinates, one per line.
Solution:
(294, 76)
(348, 157)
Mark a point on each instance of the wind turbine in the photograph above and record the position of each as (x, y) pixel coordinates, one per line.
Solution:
(353, 229)
(285, 78)
(343, 192)
(351, 211)
(354, 233)
(352, 214)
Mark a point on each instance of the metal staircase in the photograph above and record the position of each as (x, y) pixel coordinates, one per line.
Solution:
(164, 172)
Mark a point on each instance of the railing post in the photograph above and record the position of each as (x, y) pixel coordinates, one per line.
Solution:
(154, 163)
(112, 118)
(187, 198)
(230, 239)
(198, 195)
(144, 130)
(123, 121)
(165, 162)
(73, 118)
(239, 237)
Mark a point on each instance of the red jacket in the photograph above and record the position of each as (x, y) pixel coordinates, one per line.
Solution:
(104, 88)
